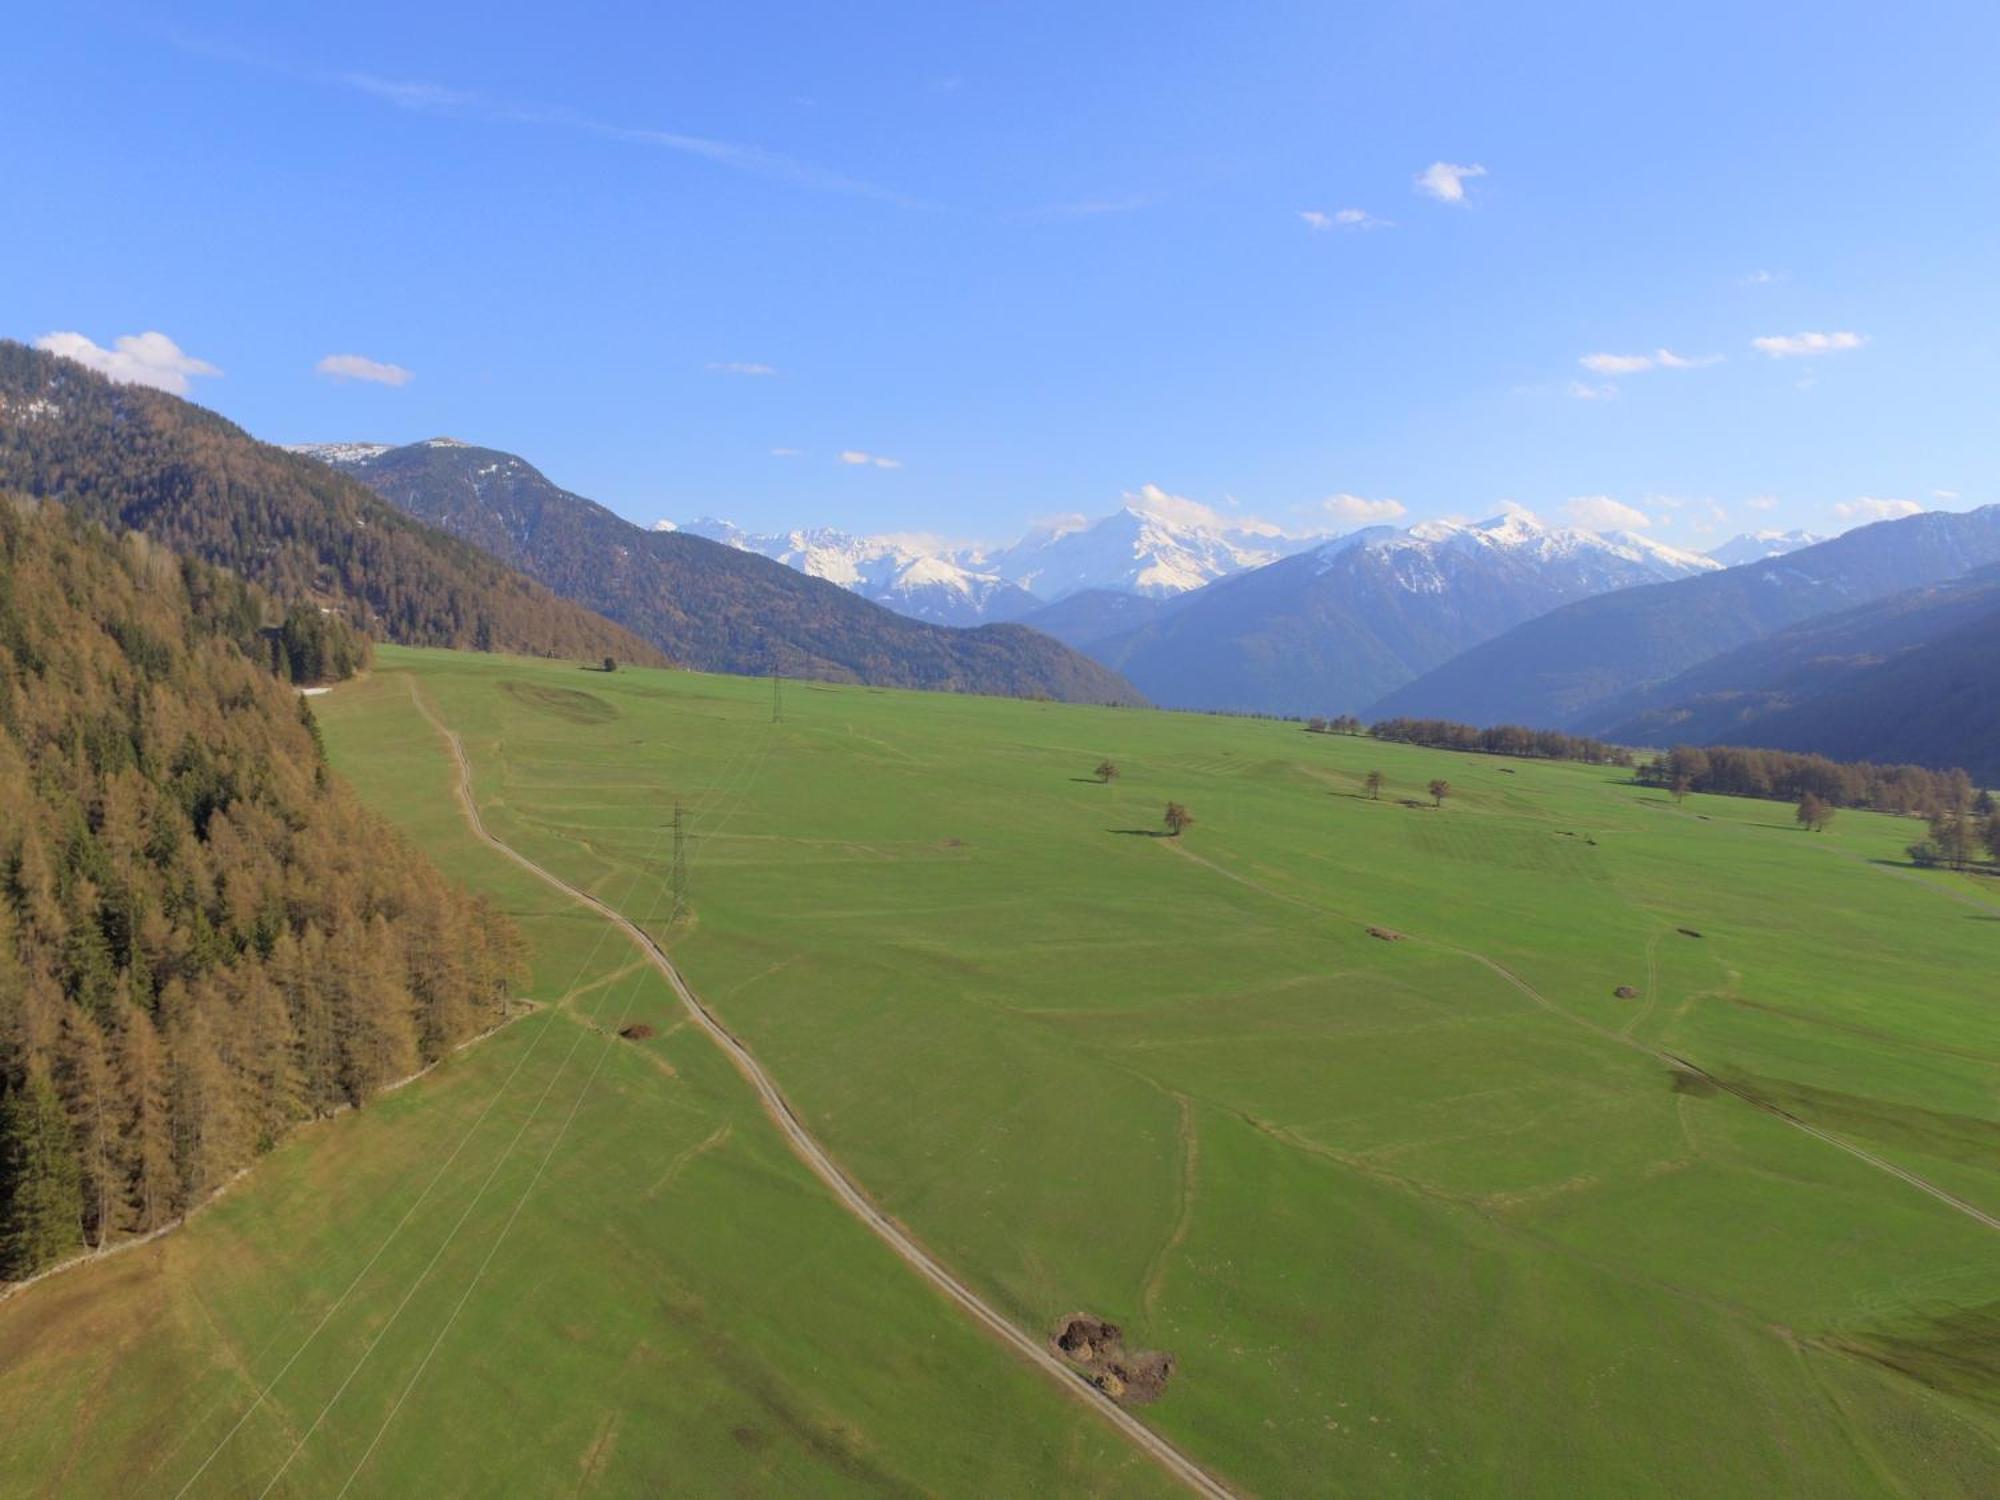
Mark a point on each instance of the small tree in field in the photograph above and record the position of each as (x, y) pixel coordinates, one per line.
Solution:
(1680, 787)
(1374, 781)
(1814, 813)
(610, 663)
(1439, 790)
(1179, 819)
(1107, 771)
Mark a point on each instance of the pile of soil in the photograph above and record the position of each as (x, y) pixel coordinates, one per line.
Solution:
(1386, 934)
(1097, 1348)
(638, 1031)
(1626, 992)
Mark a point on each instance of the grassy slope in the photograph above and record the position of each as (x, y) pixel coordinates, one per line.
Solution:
(678, 1309)
(1410, 1229)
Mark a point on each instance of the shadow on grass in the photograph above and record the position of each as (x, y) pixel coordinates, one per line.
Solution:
(1139, 833)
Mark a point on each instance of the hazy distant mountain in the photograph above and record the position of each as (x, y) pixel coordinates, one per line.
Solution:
(914, 576)
(1909, 677)
(1082, 620)
(1156, 545)
(712, 606)
(1579, 667)
(1755, 546)
(1332, 629)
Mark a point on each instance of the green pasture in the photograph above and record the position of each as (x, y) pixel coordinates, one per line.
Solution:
(1424, 1213)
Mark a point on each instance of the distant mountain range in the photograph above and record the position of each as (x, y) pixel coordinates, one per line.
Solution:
(1334, 628)
(900, 573)
(135, 459)
(1155, 546)
(1596, 665)
(1911, 677)
(718, 607)
(1757, 546)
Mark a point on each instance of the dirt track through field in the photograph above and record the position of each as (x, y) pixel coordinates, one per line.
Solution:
(822, 1164)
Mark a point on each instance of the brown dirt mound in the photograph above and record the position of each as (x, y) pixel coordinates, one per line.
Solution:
(638, 1031)
(1626, 992)
(1386, 934)
(1097, 1348)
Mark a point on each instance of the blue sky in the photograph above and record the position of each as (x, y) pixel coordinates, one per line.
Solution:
(1036, 256)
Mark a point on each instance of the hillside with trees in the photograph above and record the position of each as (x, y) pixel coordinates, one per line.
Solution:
(713, 606)
(204, 939)
(135, 459)
(1914, 677)
(1593, 665)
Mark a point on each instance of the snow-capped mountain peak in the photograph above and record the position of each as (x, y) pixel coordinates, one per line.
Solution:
(1758, 546)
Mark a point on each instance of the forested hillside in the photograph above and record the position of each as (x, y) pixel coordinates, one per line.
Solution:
(1912, 677)
(714, 606)
(203, 937)
(140, 460)
(1592, 665)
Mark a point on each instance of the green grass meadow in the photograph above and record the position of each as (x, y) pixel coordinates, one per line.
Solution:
(1422, 1217)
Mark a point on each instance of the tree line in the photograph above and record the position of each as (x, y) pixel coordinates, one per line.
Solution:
(204, 938)
(1789, 776)
(1500, 739)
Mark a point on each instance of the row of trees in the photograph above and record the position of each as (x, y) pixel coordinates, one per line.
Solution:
(1500, 739)
(1788, 776)
(204, 938)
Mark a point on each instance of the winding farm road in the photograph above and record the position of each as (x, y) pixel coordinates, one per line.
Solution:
(822, 1165)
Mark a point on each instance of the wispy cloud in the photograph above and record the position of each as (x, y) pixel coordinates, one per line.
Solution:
(1944, 495)
(1765, 278)
(1445, 181)
(1343, 218)
(1874, 508)
(1583, 390)
(1634, 364)
(1358, 510)
(786, 452)
(1762, 502)
(739, 367)
(856, 458)
(149, 358)
(434, 98)
(1602, 513)
(361, 367)
(1803, 345)
(1091, 208)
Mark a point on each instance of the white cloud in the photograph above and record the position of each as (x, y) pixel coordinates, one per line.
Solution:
(1445, 181)
(1762, 502)
(1872, 508)
(1634, 364)
(1797, 345)
(133, 359)
(361, 367)
(1602, 513)
(1343, 218)
(1151, 500)
(1356, 510)
(1584, 391)
(1945, 495)
(665, 526)
(1765, 278)
(855, 457)
(739, 367)
(1616, 364)
(785, 452)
